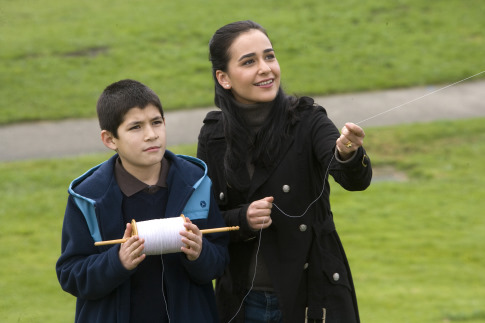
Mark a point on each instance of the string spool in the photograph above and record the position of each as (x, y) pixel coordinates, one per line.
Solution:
(161, 236)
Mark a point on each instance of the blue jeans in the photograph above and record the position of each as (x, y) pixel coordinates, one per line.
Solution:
(262, 307)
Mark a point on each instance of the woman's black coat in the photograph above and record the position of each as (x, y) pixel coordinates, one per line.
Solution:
(301, 248)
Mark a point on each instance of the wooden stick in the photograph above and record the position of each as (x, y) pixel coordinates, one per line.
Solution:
(103, 243)
(205, 231)
(134, 228)
(224, 229)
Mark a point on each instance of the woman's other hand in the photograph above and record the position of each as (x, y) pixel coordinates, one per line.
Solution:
(259, 213)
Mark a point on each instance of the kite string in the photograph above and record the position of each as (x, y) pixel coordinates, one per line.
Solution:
(254, 275)
(326, 176)
(362, 121)
(419, 98)
(161, 235)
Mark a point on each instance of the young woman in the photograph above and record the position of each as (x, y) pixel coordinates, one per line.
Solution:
(269, 156)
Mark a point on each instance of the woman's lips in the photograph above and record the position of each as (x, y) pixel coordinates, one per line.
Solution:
(265, 83)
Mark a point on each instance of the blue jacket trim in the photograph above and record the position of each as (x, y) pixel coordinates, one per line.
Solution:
(87, 205)
(198, 205)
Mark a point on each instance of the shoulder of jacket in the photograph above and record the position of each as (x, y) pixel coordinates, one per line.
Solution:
(94, 182)
(186, 168)
(213, 116)
(309, 105)
(191, 162)
(212, 127)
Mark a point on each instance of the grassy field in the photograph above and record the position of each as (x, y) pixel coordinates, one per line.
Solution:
(57, 56)
(415, 246)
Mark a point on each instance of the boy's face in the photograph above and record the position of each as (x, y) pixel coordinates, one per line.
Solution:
(141, 140)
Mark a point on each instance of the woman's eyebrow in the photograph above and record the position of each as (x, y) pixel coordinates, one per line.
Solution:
(246, 56)
(252, 54)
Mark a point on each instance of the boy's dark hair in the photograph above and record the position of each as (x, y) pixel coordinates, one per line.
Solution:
(118, 98)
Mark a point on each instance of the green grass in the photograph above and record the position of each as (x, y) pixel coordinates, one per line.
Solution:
(57, 56)
(415, 247)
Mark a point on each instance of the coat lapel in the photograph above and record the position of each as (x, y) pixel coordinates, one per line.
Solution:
(261, 175)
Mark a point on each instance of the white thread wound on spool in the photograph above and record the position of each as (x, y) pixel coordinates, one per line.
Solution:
(161, 235)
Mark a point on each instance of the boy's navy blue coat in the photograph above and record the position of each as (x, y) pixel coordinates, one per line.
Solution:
(96, 276)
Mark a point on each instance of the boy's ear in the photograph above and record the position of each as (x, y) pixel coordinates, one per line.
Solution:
(223, 79)
(108, 139)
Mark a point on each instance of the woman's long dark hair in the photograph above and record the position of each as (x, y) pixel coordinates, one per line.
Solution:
(266, 145)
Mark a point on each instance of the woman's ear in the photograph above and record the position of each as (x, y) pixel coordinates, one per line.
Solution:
(223, 79)
(108, 140)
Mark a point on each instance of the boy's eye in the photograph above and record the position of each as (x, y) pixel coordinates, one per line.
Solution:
(134, 127)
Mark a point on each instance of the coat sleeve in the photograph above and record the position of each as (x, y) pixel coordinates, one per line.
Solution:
(354, 175)
(82, 269)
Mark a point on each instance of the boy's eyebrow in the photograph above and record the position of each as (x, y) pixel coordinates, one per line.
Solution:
(135, 122)
(252, 54)
(157, 118)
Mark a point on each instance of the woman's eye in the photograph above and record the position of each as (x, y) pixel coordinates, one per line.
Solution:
(248, 62)
(270, 56)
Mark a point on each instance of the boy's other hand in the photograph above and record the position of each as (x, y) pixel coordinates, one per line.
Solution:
(192, 238)
(131, 252)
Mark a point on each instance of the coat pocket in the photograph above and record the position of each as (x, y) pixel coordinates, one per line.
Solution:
(335, 270)
(335, 292)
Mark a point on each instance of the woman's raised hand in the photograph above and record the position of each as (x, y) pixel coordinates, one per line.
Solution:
(351, 138)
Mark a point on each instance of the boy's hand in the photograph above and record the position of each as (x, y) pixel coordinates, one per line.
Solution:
(192, 238)
(131, 251)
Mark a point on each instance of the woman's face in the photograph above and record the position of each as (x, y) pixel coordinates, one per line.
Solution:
(253, 73)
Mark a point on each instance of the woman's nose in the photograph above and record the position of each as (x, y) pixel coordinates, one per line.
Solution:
(264, 67)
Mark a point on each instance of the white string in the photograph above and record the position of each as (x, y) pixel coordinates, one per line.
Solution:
(161, 235)
(254, 275)
(158, 235)
(314, 201)
(163, 290)
(362, 121)
(421, 97)
(326, 176)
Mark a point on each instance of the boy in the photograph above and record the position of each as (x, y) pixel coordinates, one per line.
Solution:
(142, 181)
